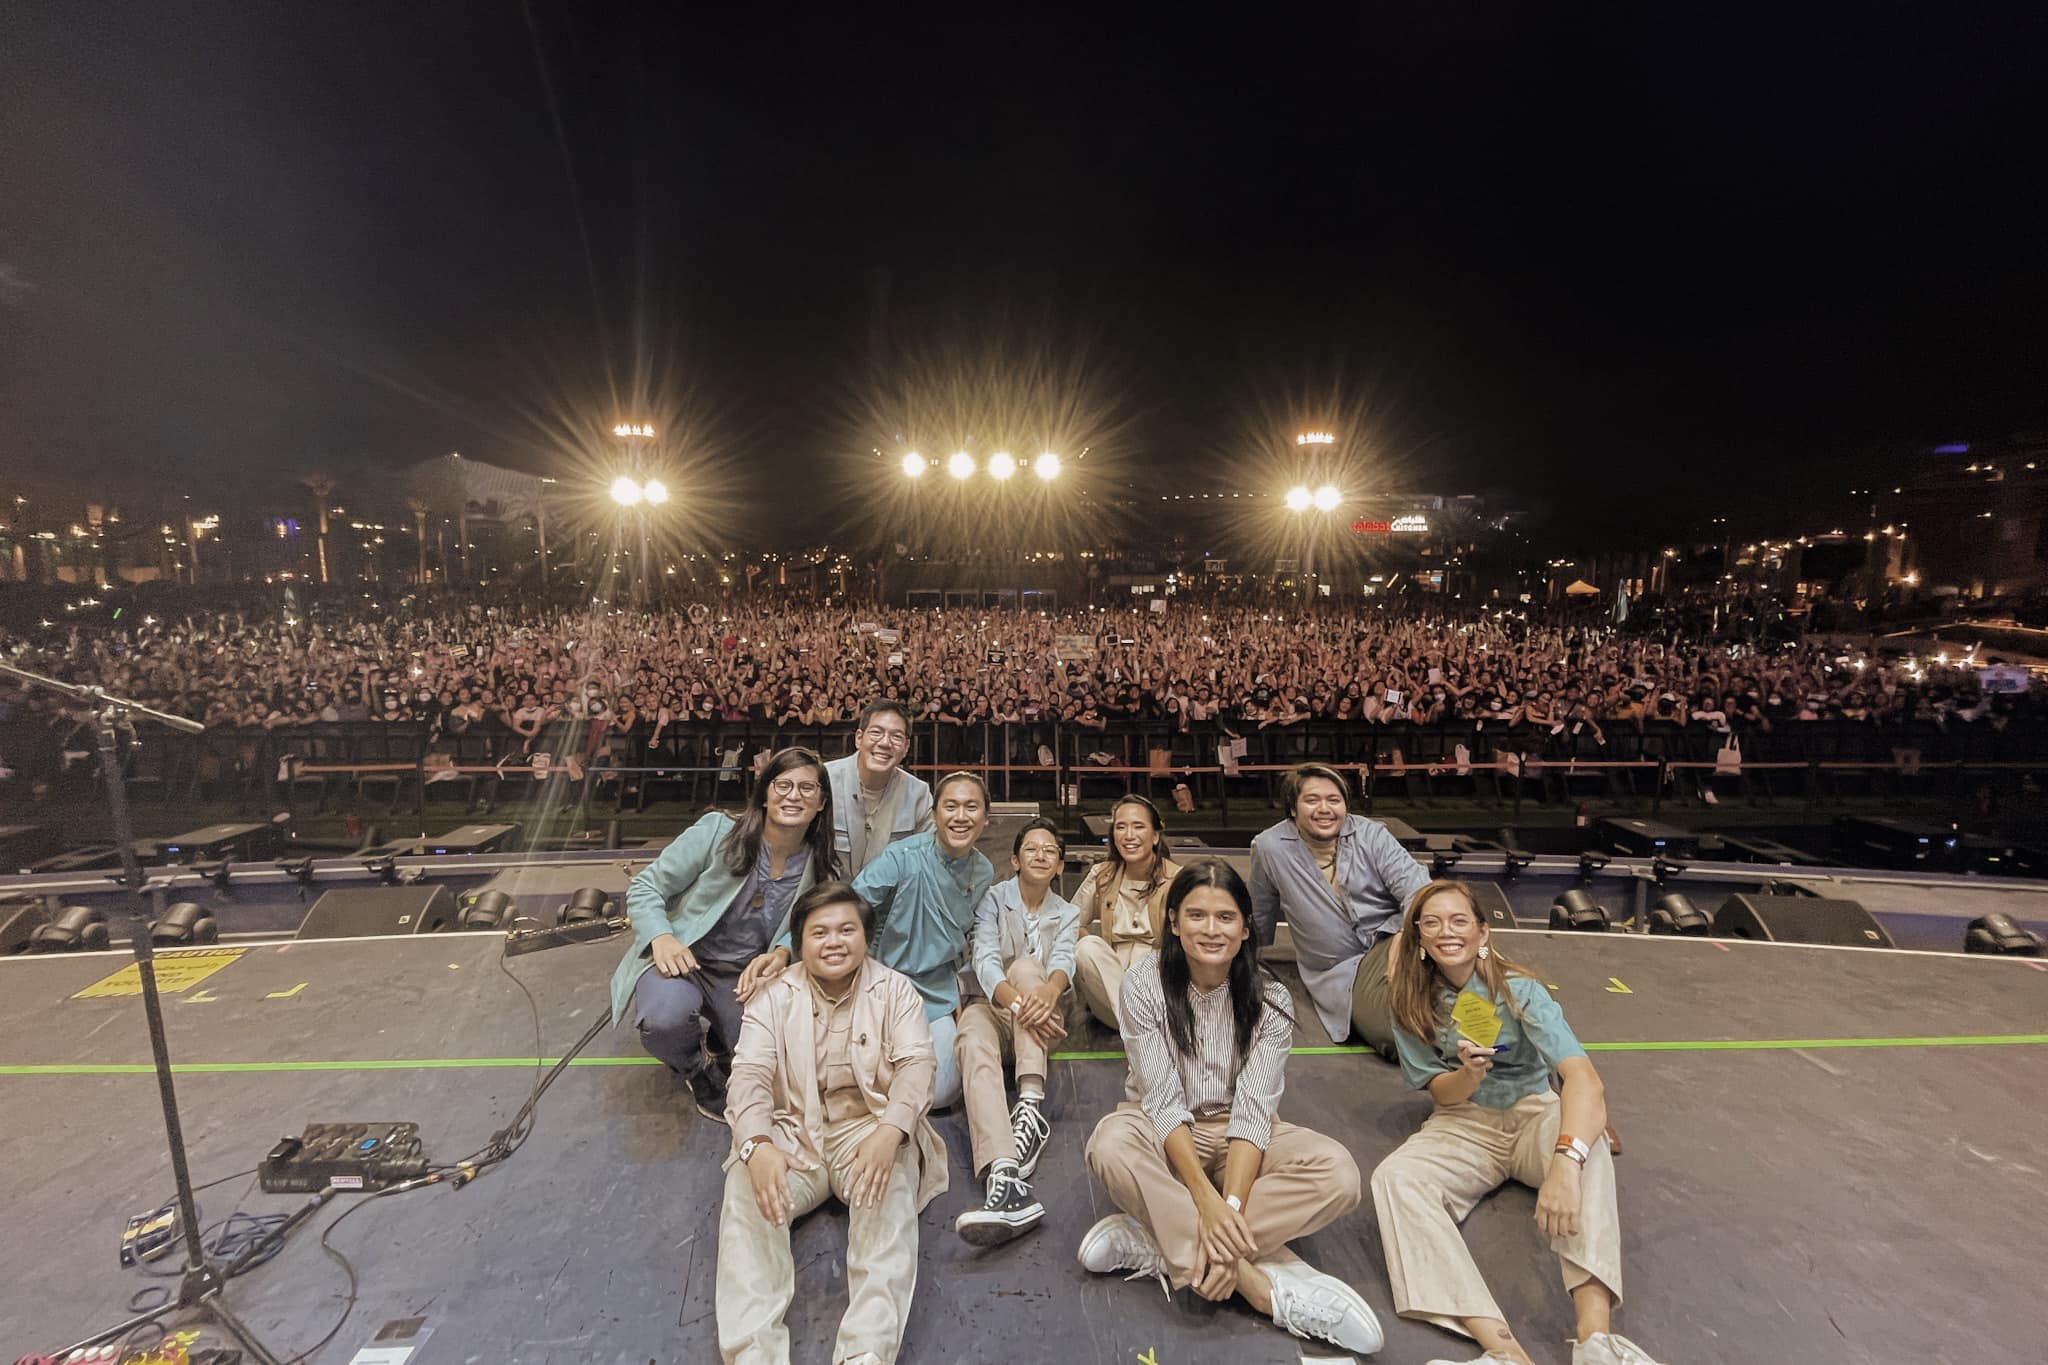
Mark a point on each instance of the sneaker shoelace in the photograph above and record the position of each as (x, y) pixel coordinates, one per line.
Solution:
(1027, 1125)
(1000, 1187)
(1315, 1313)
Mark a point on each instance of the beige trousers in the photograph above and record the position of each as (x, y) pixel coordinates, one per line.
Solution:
(986, 1034)
(757, 1275)
(1099, 968)
(1433, 1180)
(1306, 1182)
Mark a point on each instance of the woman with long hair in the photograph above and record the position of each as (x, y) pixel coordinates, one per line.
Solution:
(708, 906)
(1122, 902)
(1213, 1184)
(830, 1087)
(1486, 1040)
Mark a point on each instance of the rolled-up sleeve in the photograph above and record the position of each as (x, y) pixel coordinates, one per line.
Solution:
(1421, 1061)
(1161, 1093)
(1255, 1097)
(1543, 1022)
(988, 943)
(1265, 898)
(750, 1093)
(1061, 957)
(1397, 868)
(910, 1052)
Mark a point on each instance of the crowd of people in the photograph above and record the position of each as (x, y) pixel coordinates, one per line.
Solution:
(839, 960)
(459, 668)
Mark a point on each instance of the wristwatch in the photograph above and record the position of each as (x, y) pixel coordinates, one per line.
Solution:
(747, 1148)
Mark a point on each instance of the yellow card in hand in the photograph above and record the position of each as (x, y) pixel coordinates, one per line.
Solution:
(1476, 1018)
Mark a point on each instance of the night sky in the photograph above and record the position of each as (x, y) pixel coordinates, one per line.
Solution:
(1638, 267)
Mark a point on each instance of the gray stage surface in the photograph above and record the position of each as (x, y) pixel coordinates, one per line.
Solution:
(1830, 1155)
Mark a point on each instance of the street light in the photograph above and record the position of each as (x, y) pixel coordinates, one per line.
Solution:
(1001, 465)
(915, 465)
(960, 465)
(1046, 467)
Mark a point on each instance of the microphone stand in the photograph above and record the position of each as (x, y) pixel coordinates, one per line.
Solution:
(202, 1286)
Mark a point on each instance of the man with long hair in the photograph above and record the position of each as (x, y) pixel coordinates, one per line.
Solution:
(1484, 1038)
(1213, 1184)
(874, 801)
(708, 906)
(1342, 881)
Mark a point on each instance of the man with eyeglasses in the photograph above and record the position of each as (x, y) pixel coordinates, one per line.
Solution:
(1344, 882)
(875, 802)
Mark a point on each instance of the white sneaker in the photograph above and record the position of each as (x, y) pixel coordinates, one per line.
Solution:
(1309, 1303)
(1606, 1348)
(1120, 1242)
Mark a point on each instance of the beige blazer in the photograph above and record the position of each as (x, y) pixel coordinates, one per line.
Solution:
(778, 1035)
(1098, 893)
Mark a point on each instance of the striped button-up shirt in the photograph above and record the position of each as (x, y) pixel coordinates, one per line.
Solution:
(1174, 1088)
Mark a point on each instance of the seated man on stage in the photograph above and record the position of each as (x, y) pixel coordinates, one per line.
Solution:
(705, 908)
(1485, 1038)
(1024, 936)
(1343, 882)
(830, 1087)
(875, 802)
(925, 890)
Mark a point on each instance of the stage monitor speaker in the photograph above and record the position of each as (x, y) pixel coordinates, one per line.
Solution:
(19, 919)
(1800, 919)
(1494, 910)
(363, 912)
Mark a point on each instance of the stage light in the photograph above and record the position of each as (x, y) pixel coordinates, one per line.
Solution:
(2000, 933)
(1046, 466)
(1576, 909)
(486, 910)
(960, 465)
(915, 465)
(1299, 499)
(185, 922)
(1674, 913)
(1316, 438)
(642, 429)
(77, 928)
(626, 492)
(1001, 465)
(1327, 498)
(655, 492)
(586, 903)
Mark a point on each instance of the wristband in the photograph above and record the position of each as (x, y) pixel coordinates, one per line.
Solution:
(1016, 1004)
(1236, 1204)
(747, 1149)
(1567, 1145)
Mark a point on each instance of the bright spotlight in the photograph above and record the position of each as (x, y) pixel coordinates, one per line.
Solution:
(1299, 499)
(915, 465)
(1327, 498)
(655, 491)
(960, 465)
(626, 492)
(1046, 466)
(1001, 465)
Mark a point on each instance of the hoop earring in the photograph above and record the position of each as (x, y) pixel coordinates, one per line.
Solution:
(1484, 952)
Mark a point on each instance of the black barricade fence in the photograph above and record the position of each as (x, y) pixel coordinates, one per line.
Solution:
(1048, 760)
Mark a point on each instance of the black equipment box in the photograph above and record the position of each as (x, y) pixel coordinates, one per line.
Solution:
(370, 911)
(347, 1156)
(1647, 838)
(466, 839)
(1880, 841)
(242, 843)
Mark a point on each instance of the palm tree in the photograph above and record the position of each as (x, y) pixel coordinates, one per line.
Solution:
(322, 486)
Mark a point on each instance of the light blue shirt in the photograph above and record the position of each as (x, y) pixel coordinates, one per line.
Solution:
(1332, 930)
(1536, 1043)
(925, 904)
(1005, 931)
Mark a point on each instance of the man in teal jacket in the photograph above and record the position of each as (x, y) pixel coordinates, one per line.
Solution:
(708, 906)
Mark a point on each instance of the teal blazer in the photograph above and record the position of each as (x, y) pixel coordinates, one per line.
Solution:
(684, 891)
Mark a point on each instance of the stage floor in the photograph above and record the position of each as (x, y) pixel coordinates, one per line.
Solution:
(1830, 1155)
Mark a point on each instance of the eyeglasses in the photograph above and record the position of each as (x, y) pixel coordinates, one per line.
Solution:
(785, 786)
(891, 738)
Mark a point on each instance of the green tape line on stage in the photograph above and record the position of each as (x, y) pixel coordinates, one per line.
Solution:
(486, 1063)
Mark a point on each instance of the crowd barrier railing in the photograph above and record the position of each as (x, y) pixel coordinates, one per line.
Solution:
(1068, 764)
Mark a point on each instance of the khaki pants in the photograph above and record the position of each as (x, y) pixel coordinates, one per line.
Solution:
(1372, 1001)
(757, 1275)
(1433, 1180)
(986, 1035)
(1099, 968)
(1306, 1182)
